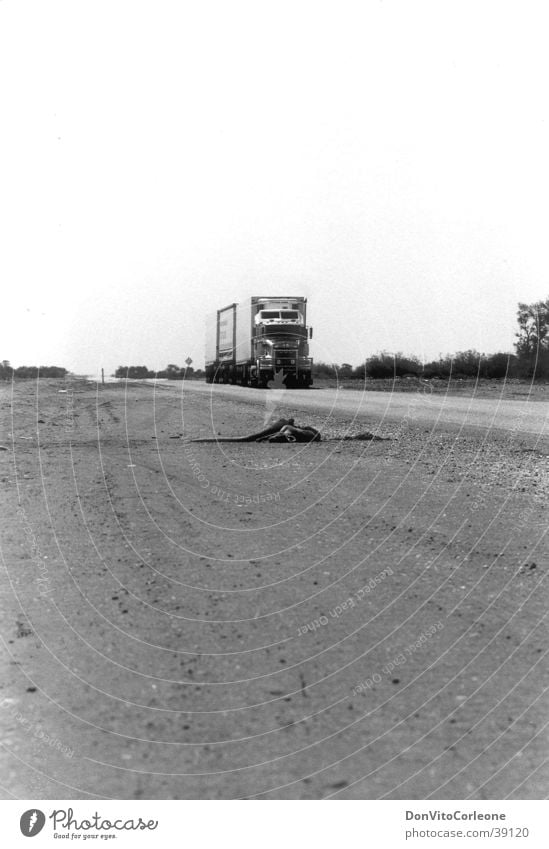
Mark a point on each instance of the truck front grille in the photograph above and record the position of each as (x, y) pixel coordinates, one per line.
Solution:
(285, 357)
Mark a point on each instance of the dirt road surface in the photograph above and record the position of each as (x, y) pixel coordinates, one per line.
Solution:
(348, 619)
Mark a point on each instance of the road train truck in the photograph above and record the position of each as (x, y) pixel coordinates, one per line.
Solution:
(262, 339)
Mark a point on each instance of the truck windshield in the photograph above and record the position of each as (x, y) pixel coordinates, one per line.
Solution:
(278, 315)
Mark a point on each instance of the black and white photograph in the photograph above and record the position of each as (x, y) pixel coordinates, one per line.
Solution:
(274, 400)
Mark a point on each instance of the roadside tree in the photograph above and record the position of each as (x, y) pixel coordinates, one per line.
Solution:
(532, 343)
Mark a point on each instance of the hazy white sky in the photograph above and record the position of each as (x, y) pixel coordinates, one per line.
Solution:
(161, 159)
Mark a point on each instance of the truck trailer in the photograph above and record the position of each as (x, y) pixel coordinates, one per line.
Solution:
(261, 339)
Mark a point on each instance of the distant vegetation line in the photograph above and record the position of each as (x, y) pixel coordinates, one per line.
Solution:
(530, 362)
(171, 372)
(7, 372)
(385, 365)
(464, 364)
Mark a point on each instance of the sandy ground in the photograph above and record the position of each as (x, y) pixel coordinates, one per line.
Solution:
(345, 619)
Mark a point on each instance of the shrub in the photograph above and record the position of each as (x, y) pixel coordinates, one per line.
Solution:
(386, 365)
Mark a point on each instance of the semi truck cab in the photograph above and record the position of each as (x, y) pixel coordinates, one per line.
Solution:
(281, 346)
